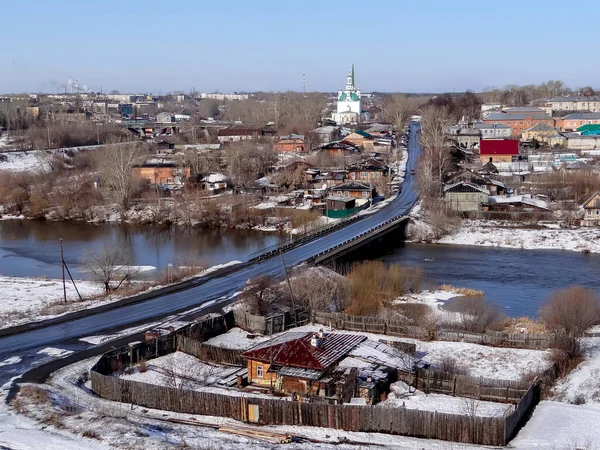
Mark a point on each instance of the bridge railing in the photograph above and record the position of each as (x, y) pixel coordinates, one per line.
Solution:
(302, 239)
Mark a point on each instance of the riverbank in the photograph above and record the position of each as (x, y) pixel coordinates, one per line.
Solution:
(547, 236)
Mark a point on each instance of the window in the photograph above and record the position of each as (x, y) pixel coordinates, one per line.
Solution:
(364, 175)
(521, 122)
(365, 194)
(259, 371)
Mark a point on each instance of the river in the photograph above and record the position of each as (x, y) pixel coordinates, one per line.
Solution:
(31, 248)
(518, 281)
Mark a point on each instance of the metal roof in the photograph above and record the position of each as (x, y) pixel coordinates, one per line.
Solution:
(523, 116)
(575, 98)
(583, 116)
(294, 349)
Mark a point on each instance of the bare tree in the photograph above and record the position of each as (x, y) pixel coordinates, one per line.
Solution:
(436, 157)
(110, 266)
(248, 161)
(115, 163)
(396, 108)
(476, 315)
(257, 294)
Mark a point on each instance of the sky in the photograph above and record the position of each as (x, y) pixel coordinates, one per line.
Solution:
(242, 45)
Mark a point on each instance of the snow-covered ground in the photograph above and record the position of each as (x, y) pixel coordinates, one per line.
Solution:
(478, 360)
(403, 397)
(503, 234)
(582, 385)
(31, 160)
(434, 300)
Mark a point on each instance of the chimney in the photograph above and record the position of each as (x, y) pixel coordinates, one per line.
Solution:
(320, 333)
(314, 341)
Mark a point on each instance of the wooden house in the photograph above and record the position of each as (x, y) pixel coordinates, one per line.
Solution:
(161, 171)
(591, 207)
(355, 189)
(299, 362)
(464, 196)
(369, 170)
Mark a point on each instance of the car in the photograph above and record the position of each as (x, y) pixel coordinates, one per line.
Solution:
(412, 171)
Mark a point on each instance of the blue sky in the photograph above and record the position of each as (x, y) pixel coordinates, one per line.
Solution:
(396, 45)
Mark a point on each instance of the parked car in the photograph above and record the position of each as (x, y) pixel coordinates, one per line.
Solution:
(412, 171)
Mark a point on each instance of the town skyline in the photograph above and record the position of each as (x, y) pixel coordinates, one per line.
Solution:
(235, 47)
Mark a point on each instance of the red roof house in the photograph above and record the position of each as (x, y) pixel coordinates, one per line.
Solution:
(494, 150)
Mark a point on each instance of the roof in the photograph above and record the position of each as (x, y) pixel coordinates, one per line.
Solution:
(481, 126)
(522, 109)
(498, 147)
(341, 199)
(519, 199)
(463, 186)
(291, 137)
(595, 204)
(382, 354)
(575, 98)
(234, 131)
(522, 116)
(583, 116)
(541, 127)
(294, 349)
(353, 186)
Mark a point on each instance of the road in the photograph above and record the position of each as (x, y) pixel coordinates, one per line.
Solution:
(27, 344)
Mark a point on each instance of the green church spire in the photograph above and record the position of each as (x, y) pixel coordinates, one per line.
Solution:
(353, 75)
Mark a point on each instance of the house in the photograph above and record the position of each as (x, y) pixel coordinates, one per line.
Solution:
(494, 150)
(326, 134)
(161, 171)
(464, 196)
(233, 134)
(292, 143)
(327, 177)
(360, 139)
(591, 207)
(518, 121)
(299, 362)
(216, 182)
(517, 203)
(165, 117)
(494, 187)
(575, 103)
(369, 170)
(464, 137)
(340, 203)
(576, 120)
(355, 189)
(340, 149)
(576, 141)
(540, 132)
(493, 130)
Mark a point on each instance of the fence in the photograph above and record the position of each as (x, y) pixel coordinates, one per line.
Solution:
(393, 328)
(210, 352)
(479, 388)
(513, 421)
(269, 325)
(409, 422)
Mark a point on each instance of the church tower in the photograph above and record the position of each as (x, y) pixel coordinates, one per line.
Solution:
(349, 105)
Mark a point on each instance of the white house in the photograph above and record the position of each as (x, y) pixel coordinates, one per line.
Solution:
(493, 131)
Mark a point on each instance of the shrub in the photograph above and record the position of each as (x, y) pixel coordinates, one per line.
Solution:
(143, 365)
(572, 310)
(35, 394)
(450, 365)
(476, 315)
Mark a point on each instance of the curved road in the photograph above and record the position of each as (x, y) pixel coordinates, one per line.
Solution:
(27, 344)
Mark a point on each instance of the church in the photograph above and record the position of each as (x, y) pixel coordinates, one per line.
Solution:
(348, 102)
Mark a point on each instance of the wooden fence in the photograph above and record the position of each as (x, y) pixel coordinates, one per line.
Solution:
(393, 328)
(514, 420)
(210, 352)
(408, 422)
(269, 325)
(480, 388)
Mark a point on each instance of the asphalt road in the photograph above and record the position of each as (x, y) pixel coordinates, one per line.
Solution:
(27, 344)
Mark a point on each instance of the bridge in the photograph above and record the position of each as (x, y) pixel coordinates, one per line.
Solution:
(205, 292)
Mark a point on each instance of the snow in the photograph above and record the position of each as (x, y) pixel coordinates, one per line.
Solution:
(236, 339)
(265, 205)
(557, 425)
(435, 300)
(401, 396)
(216, 178)
(32, 160)
(57, 352)
(10, 361)
(504, 234)
(23, 298)
(582, 385)
(99, 339)
(478, 360)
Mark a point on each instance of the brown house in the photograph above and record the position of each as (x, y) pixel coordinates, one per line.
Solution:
(369, 170)
(355, 189)
(298, 363)
(361, 139)
(292, 143)
(340, 149)
(591, 207)
(161, 171)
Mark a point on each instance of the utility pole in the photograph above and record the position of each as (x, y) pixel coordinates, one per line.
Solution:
(290, 287)
(62, 264)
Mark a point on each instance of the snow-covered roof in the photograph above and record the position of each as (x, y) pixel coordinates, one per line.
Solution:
(215, 178)
(523, 199)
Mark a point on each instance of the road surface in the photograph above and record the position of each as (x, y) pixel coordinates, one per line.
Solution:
(26, 345)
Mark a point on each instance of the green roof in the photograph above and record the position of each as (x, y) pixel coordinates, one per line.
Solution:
(589, 127)
(342, 98)
(354, 97)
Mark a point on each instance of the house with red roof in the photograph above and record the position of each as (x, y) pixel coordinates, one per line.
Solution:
(494, 150)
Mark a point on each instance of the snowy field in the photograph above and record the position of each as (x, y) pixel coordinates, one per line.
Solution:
(500, 234)
(32, 160)
(403, 397)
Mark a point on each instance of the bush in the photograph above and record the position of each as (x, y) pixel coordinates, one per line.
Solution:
(476, 315)
(450, 365)
(572, 310)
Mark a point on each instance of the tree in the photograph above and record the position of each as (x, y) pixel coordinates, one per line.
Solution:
(115, 163)
(572, 310)
(396, 109)
(476, 315)
(110, 265)
(257, 294)
(247, 161)
(436, 157)
(587, 91)
(469, 106)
